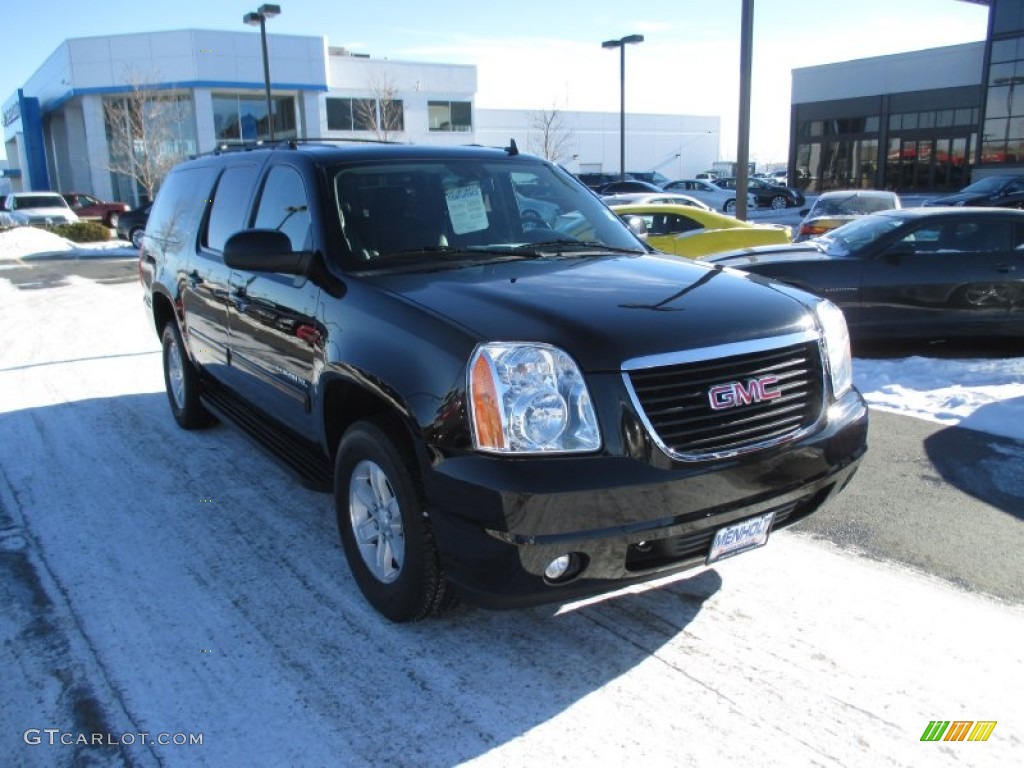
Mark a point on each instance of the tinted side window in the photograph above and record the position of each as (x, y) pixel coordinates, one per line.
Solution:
(284, 206)
(230, 205)
(676, 224)
(179, 206)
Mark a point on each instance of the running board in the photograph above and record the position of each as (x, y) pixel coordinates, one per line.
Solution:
(312, 469)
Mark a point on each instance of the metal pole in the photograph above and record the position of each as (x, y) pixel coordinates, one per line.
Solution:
(743, 143)
(622, 112)
(266, 73)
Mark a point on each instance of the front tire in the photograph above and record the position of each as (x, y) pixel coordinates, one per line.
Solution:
(385, 534)
(136, 236)
(182, 382)
(778, 203)
(112, 218)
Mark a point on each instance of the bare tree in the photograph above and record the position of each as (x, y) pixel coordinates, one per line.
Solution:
(550, 136)
(383, 114)
(145, 132)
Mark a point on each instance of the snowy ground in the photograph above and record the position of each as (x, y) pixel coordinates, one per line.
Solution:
(201, 591)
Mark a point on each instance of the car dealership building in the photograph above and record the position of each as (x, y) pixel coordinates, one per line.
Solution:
(912, 122)
(919, 121)
(59, 130)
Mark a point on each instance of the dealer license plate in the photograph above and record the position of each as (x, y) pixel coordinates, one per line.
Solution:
(739, 537)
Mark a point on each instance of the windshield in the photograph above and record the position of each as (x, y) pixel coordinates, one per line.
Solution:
(851, 238)
(39, 201)
(987, 185)
(437, 211)
(852, 203)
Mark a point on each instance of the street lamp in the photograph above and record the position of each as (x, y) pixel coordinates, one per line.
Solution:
(259, 17)
(621, 44)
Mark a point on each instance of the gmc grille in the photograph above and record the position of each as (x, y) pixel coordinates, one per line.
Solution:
(675, 403)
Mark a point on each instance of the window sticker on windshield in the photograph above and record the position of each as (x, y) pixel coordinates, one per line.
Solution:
(466, 208)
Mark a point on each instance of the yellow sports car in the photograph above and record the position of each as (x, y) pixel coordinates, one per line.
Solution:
(688, 231)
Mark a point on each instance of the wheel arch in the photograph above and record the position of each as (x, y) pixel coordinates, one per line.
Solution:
(163, 311)
(347, 401)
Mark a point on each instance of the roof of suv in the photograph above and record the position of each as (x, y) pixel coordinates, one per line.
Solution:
(366, 150)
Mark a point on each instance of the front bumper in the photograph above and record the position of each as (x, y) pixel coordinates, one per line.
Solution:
(500, 522)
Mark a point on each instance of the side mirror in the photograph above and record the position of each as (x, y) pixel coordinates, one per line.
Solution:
(265, 250)
(804, 211)
(637, 226)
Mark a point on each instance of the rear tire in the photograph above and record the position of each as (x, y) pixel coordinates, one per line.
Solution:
(136, 236)
(730, 206)
(778, 203)
(182, 382)
(385, 533)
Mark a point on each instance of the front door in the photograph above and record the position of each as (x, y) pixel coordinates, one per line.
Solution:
(953, 277)
(274, 333)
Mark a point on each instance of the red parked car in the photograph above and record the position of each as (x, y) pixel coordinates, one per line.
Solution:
(89, 207)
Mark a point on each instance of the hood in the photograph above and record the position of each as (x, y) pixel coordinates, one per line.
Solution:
(42, 214)
(603, 310)
(55, 212)
(766, 254)
(960, 198)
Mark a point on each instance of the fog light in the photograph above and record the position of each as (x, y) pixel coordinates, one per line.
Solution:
(558, 567)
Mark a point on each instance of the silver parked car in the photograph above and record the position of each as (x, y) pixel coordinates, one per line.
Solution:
(717, 198)
(835, 208)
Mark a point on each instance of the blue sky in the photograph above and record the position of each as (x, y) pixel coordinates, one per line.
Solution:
(536, 55)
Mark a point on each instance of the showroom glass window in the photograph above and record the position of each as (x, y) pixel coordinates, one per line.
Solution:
(382, 116)
(147, 131)
(450, 115)
(1003, 129)
(238, 119)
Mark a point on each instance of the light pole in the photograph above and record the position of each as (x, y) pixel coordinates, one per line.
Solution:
(259, 17)
(621, 44)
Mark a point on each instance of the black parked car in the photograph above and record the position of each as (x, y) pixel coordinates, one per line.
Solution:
(131, 224)
(766, 193)
(506, 409)
(598, 180)
(915, 273)
(629, 185)
(998, 191)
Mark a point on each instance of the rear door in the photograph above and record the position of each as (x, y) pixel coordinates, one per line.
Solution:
(207, 295)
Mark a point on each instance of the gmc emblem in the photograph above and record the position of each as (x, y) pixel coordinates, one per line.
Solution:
(736, 393)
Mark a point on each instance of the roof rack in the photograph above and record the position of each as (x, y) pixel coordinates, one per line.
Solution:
(290, 143)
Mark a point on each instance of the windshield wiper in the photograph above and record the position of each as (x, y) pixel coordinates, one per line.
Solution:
(576, 245)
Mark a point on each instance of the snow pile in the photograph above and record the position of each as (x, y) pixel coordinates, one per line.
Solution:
(22, 241)
(982, 394)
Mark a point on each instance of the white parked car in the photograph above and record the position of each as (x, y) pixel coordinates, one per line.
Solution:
(717, 198)
(38, 209)
(652, 198)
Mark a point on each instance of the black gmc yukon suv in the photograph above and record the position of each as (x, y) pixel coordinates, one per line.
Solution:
(512, 399)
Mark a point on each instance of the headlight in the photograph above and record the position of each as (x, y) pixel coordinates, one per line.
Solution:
(529, 398)
(837, 346)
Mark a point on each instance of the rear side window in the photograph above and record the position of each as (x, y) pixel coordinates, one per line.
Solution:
(230, 205)
(179, 206)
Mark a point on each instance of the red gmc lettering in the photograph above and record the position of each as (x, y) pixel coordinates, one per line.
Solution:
(736, 393)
